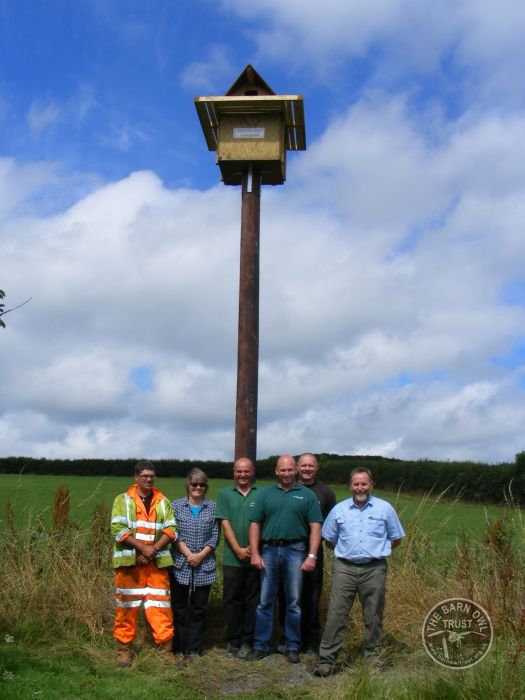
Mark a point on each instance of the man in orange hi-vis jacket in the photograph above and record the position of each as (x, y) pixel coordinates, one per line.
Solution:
(143, 527)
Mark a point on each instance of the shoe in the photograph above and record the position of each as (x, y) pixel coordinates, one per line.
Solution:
(323, 670)
(180, 659)
(244, 651)
(124, 655)
(258, 655)
(375, 663)
(166, 652)
(292, 655)
(233, 651)
(311, 650)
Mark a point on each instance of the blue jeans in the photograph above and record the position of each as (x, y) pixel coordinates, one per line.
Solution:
(281, 564)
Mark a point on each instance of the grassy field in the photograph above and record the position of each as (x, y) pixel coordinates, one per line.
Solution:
(89, 674)
(56, 606)
(439, 519)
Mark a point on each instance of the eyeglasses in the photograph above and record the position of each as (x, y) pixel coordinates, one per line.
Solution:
(198, 486)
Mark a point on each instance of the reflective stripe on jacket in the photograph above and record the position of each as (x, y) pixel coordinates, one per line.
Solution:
(129, 517)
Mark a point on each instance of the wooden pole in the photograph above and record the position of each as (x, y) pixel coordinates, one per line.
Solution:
(248, 338)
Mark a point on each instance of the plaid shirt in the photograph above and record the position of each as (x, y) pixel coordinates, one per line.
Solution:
(196, 533)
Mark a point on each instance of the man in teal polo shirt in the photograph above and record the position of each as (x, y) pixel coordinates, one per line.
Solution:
(286, 521)
(240, 580)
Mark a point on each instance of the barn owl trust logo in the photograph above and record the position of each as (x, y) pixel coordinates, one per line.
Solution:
(457, 633)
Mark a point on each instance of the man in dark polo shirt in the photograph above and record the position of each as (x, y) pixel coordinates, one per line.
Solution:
(240, 580)
(308, 466)
(284, 536)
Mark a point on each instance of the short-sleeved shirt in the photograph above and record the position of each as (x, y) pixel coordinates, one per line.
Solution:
(362, 534)
(236, 508)
(286, 514)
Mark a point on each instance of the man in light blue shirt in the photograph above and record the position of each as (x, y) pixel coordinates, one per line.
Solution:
(362, 531)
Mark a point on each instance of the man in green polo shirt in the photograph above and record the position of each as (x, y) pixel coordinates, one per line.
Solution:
(286, 521)
(240, 580)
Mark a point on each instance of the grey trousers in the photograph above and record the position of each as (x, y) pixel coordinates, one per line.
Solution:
(368, 581)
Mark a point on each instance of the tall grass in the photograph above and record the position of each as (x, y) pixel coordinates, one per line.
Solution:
(57, 578)
(56, 584)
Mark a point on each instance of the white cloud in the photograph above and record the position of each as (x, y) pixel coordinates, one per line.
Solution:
(42, 116)
(86, 385)
(434, 421)
(4, 105)
(408, 37)
(347, 26)
(386, 259)
(206, 75)
(491, 46)
(121, 134)
(84, 102)
(46, 114)
(19, 182)
(383, 261)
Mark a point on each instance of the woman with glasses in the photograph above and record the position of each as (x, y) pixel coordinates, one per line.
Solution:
(194, 558)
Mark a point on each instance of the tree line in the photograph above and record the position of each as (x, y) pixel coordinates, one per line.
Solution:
(470, 481)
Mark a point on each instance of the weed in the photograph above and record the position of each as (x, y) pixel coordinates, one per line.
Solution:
(61, 508)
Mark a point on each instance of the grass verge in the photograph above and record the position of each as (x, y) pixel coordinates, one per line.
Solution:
(56, 617)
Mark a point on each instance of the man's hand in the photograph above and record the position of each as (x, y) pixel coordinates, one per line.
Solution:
(148, 551)
(142, 560)
(243, 553)
(257, 561)
(308, 564)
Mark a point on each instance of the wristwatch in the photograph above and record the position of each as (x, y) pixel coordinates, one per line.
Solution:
(312, 556)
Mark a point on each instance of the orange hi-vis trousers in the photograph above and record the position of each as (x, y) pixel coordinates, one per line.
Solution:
(143, 585)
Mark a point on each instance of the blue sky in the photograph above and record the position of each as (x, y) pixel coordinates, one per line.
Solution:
(100, 86)
(392, 303)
